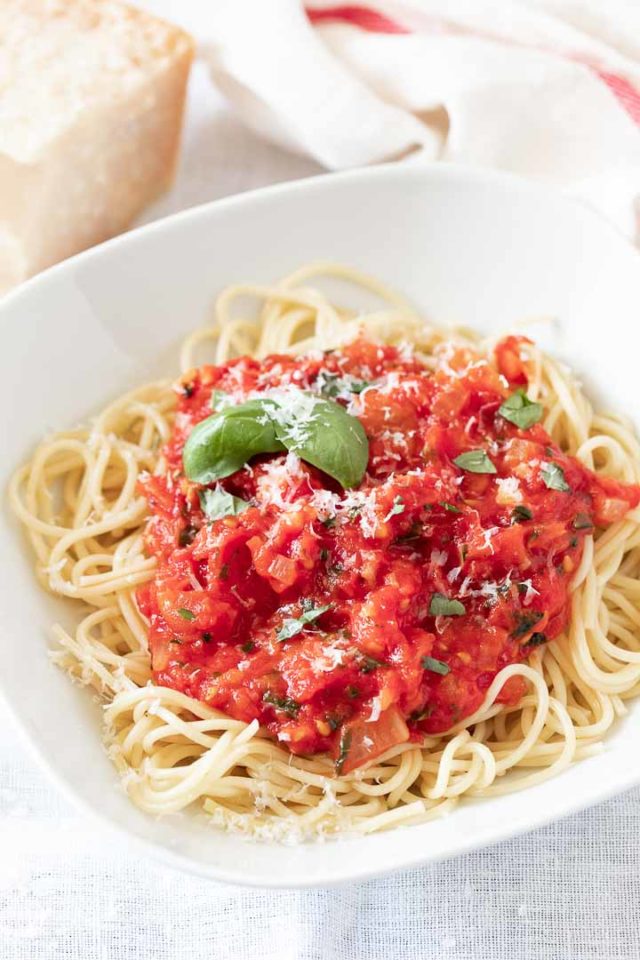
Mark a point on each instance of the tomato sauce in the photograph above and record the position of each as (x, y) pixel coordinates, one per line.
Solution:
(350, 621)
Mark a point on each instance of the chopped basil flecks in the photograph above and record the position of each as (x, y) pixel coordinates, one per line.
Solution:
(521, 411)
(217, 503)
(368, 664)
(536, 639)
(525, 622)
(248, 646)
(554, 478)
(292, 626)
(187, 535)
(286, 704)
(475, 461)
(450, 507)
(398, 507)
(186, 614)
(582, 522)
(521, 514)
(441, 606)
(435, 666)
(345, 746)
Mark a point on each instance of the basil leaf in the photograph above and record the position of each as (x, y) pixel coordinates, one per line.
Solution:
(450, 507)
(186, 614)
(554, 478)
(441, 606)
(330, 439)
(286, 704)
(357, 386)
(582, 522)
(435, 666)
(345, 746)
(475, 461)
(398, 507)
(218, 503)
(225, 441)
(536, 639)
(520, 410)
(525, 622)
(332, 385)
(292, 626)
(521, 513)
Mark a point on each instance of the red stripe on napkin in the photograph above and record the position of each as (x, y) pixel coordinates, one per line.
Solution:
(375, 22)
(364, 17)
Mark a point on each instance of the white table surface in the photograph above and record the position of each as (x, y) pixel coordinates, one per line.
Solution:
(69, 891)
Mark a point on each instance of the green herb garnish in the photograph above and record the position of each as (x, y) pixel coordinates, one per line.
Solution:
(368, 664)
(248, 646)
(521, 514)
(325, 436)
(435, 666)
(186, 614)
(292, 626)
(441, 606)
(536, 639)
(554, 478)
(475, 461)
(525, 622)
(398, 507)
(286, 704)
(345, 746)
(217, 503)
(582, 522)
(449, 506)
(521, 411)
(186, 535)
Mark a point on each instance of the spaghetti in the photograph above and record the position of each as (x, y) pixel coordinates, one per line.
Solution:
(81, 502)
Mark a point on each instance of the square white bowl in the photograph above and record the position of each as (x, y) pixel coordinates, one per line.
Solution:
(468, 247)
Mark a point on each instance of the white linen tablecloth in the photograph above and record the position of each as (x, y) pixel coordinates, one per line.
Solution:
(69, 891)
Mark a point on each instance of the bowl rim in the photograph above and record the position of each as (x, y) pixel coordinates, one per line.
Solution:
(440, 172)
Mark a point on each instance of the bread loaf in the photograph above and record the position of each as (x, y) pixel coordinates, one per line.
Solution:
(91, 102)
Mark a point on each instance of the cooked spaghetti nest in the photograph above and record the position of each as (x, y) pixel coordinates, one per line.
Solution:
(78, 501)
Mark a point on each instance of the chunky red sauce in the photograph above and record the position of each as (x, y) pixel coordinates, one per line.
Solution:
(381, 664)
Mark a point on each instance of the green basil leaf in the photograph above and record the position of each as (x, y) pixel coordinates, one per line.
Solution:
(292, 626)
(475, 461)
(329, 439)
(186, 614)
(582, 522)
(521, 411)
(441, 606)
(521, 514)
(536, 639)
(450, 507)
(397, 507)
(286, 704)
(332, 385)
(554, 478)
(436, 666)
(525, 622)
(218, 503)
(343, 750)
(225, 441)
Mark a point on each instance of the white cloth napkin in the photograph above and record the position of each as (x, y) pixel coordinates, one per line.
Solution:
(545, 88)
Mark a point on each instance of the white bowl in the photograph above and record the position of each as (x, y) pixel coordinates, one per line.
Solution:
(467, 246)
